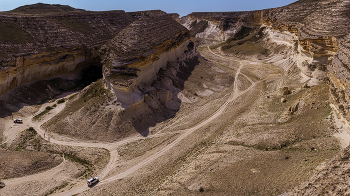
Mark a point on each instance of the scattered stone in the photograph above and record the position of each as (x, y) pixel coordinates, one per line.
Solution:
(306, 86)
(286, 116)
(293, 108)
(2, 185)
(283, 100)
(285, 91)
(267, 96)
(344, 155)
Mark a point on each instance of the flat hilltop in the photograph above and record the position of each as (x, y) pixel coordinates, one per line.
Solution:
(43, 9)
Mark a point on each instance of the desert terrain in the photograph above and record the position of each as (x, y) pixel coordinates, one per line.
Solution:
(226, 139)
(215, 105)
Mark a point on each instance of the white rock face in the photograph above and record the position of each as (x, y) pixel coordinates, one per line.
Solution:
(41, 66)
(292, 57)
(129, 96)
(214, 32)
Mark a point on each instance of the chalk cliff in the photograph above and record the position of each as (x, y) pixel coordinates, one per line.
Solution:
(309, 40)
(58, 42)
(219, 26)
(137, 53)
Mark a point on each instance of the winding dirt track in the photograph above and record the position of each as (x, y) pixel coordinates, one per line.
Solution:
(234, 95)
(112, 147)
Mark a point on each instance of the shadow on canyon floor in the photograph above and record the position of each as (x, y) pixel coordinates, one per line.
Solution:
(41, 91)
(160, 110)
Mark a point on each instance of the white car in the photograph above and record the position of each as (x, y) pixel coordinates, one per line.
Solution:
(92, 181)
(18, 121)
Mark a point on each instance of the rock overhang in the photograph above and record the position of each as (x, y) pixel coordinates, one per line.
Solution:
(137, 53)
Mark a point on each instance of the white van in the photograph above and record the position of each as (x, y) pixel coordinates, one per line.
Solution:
(92, 181)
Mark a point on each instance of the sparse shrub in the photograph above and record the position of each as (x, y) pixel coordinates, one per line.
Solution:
(73, 96)
(322, 67)
(342, 108)
(327, 80)
(296, 45)
(47, 109)
(26, 136)
(61, 101)
(74, 158)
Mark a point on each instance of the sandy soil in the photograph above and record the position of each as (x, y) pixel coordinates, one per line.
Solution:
(186, 133)
(213, 149)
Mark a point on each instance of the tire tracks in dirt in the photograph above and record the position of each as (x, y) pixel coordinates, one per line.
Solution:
(234, 95)
(112, 147)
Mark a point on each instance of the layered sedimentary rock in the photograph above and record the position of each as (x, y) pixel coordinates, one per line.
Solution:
(64, 63)
(307, 38)
(54, 44)
(136, 54)
(323, 30)
(220, 25)
(175, 16)
(310, 40)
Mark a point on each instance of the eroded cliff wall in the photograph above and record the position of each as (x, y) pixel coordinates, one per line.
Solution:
(136, 54)
(38, 47)
(220, 25)
(322, 28)
(308, 39)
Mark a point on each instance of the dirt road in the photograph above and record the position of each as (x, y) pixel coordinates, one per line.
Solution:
(112, 147)
(187, 132)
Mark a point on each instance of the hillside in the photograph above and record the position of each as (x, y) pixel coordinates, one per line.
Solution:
(309, 41)
(43, 9)
(214, 103)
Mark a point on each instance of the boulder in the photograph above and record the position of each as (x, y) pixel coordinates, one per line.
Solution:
(164, 95)
(306, 86)
(293, 108)
(283, 100)
(285, 91)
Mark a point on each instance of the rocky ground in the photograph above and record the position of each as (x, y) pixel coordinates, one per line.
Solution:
(244, 127)
(227, 138)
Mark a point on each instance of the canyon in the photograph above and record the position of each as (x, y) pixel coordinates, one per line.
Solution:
(212, 103)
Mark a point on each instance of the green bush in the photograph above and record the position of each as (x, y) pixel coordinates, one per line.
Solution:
(47, 109)
(61, 101)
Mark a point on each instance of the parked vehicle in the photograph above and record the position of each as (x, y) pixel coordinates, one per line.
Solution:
(18, 121)
(92, 181)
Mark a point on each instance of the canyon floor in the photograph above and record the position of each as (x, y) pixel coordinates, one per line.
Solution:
(245, 138)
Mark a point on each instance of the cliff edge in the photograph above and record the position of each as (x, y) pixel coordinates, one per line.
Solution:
(137, 53)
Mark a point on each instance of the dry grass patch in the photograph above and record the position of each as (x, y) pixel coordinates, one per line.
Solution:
(21, 163)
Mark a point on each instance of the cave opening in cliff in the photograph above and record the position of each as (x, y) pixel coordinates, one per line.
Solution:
(92, 72)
